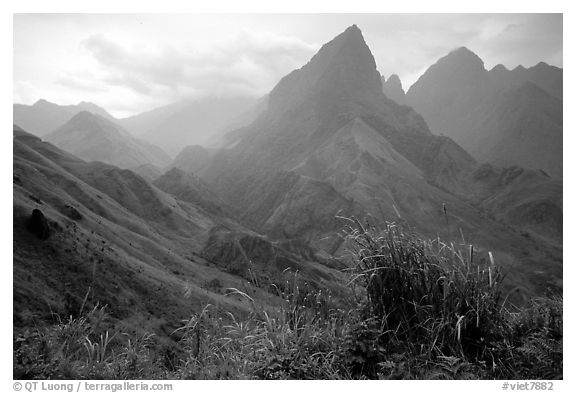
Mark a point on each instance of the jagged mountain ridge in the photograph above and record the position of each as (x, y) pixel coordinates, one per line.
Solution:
(505, 117)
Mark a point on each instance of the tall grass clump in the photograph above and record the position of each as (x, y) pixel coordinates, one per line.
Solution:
(427, 297)
(84, 348)
(298, 339)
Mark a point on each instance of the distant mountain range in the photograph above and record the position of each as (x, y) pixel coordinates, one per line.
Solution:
(44, 117)
(202, 121)
(504, 117)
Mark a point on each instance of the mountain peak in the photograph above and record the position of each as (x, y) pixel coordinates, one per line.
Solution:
(464, 51)
(463, 57)
(353, 30)
(94, 122)
(459, 67)
(344, 67)
(393, 89)
(84, 115)
(543, 66)
(499, 68)
(93, 137)
(42, 102)
(394, 80)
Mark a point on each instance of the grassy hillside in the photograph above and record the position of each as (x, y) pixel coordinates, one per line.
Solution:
(108, 236)
(417, 309)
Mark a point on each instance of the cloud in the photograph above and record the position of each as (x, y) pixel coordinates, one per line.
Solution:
(246, 64)
(25, 92)
(84, 83)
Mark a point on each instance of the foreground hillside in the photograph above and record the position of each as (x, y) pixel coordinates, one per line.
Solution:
(419, 311)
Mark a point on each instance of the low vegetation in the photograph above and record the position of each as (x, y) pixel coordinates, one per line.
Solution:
(417, 309)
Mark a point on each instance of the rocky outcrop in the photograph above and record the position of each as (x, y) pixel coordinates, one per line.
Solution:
(38, 225)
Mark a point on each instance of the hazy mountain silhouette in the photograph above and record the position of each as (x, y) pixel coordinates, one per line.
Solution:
(44, 117)
(95, 138)
(188, 122)
(500, 116)
(331, 143)
(193, 158)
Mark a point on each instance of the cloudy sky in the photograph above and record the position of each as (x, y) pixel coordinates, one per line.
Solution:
(132, 63)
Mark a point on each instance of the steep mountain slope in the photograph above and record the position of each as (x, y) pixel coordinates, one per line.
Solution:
(188, 187)
(111, 237)
(44, 117)
(94, 138)
(519, 126)
(499, 116)
(149, 172)
(527, 199)
(188, 122)
(331, 143)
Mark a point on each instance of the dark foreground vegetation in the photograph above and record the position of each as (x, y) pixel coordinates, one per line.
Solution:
(417, 310)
